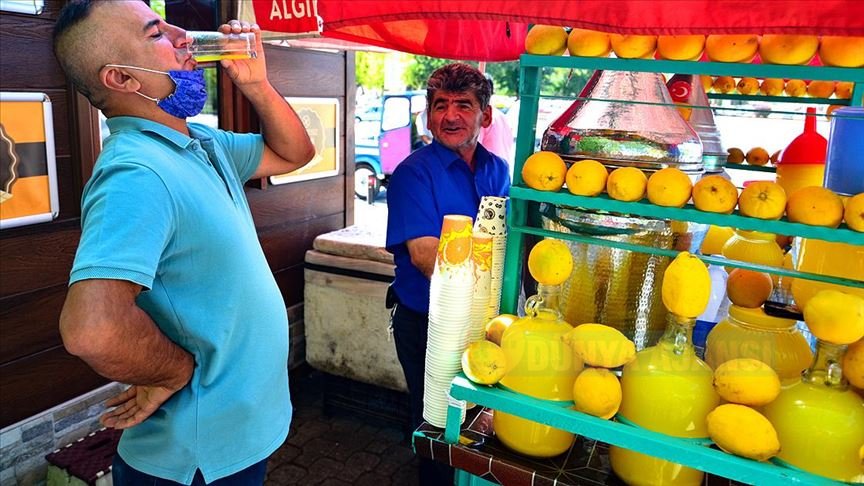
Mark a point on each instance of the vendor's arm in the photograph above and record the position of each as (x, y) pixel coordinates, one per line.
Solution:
(101, 324)
(423, 252)
(288, 146)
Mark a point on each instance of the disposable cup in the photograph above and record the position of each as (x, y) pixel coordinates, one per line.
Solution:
(216, 46)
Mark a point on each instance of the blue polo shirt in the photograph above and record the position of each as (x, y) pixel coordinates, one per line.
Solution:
(168, 212)
(429, 184)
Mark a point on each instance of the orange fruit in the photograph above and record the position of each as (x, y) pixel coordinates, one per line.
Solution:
(544, 171)
(626, 184)
(757, 156)
(497, 325)
(736, 156)
(546, 40)
(748, 288)
(707, 82)
(724, 84)
(588, 43)
(763, 200)
(795, 87)
(843, 90)
(748, 86)
(680, 47)
(788, 49)
(669, 187)
(586, 178)
(550, 262)
(816, 206)
(715, 194)
(772, 86)
(820, 89)
(633, 46)
(731, 48)
(842, 51)
(854, 212)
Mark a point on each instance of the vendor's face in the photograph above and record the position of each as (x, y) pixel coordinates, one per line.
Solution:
(455, 119)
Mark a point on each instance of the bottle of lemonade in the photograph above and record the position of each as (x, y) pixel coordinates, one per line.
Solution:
(827, 258)
(754, 247)
(819, 421)
(666, 389)
(540, 365)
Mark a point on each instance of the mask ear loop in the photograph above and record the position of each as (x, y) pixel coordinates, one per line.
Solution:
(126, 66)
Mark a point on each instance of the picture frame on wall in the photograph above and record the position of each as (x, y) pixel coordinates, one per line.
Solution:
(32, 7)
(321, 117)
(28, 172)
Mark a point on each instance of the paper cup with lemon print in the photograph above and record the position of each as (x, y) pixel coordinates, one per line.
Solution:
(454, 245)
(481, 255)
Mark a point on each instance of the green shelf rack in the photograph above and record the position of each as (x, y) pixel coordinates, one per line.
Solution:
(524, 204)
(779, 99)
(645, 441)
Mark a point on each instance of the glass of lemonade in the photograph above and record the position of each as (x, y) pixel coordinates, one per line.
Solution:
(215, 46)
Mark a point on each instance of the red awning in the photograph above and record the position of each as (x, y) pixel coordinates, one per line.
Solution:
(494, 30)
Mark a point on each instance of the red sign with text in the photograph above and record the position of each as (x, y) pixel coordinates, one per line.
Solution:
(289, 16)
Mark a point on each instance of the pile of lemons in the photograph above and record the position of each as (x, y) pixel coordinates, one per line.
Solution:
(670, 187)
(553, 40)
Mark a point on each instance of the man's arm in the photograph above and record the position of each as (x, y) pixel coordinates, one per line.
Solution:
(101, 324)
(423, 252)
(287, 144)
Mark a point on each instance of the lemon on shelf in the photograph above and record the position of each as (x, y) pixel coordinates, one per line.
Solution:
(633, 46)
(497, 325)
(788, 49)
(854, 212)
(586, 178)
(743, 431)
(736, 156)
(748, 86)
(597, 392)
(669, 187)
(757, 156)
(724, 84)
(680, 47)
(772, 86)
(853, 366)
(626, 184)
(842, 51)
(795, 87)
(715, 194)
(484, 362)
(763, 200)
(550, 262)
(746, 381)
(820, 89)
(815, 205)
(835, 317)
(546, 40)
(731, 48)
(588, 43)
(600, 345)
(544, 171)
(686, 286)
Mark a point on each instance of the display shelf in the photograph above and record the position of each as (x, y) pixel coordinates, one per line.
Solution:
(645, 441)
(690, 213)
(751, 168)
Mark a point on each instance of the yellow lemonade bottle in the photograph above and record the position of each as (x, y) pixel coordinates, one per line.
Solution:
(754, 247)
(819, 421)
(827, 258)
(541, 365)
(666, 389)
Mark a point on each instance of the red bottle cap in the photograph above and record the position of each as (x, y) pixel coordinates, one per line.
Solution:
(807, 148)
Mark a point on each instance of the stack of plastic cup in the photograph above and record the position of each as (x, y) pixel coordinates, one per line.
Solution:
(450, 295)
(492, 220)
(481, 255)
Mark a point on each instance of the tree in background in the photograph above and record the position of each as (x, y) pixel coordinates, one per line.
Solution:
(370, 70)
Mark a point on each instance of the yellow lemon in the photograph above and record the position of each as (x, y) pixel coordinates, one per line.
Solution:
(853, 365)
(854, 212)
(795, 87)
(544, 171)
(546, 40)
(763, 200)
(633, 46)
(749, 288)
(843, 89)
(748, 86)
(724, 84)
(597, 392)
(626, 184)
(746, 381)
(715, 194)
(757, 156)
(550, 262)
(588, 43)
(586, 178)
(836, 317)
(816, 206)
(484, 362)
(820, 89)
(772, 86)
(715, 238)
(686, 286)
(599, 345)
(842, 51)
(788, 49)
(680, 47)
(731, 48)
(497, 325)
(669, 187)
(743, 431)
(736, 156)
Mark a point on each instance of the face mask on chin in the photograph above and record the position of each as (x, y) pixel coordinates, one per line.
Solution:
(188, 97)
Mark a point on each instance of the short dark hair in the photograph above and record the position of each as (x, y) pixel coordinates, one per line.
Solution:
(70, 40)
(459, 78)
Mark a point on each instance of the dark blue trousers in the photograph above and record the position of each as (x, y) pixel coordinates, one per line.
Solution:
(124, 475)
(410, 331)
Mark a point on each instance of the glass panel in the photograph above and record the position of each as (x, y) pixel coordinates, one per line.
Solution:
(397, 113)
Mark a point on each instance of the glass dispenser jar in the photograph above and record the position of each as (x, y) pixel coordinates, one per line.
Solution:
(666, 389)
(750, 333)
(754, 247)
(540, 365)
